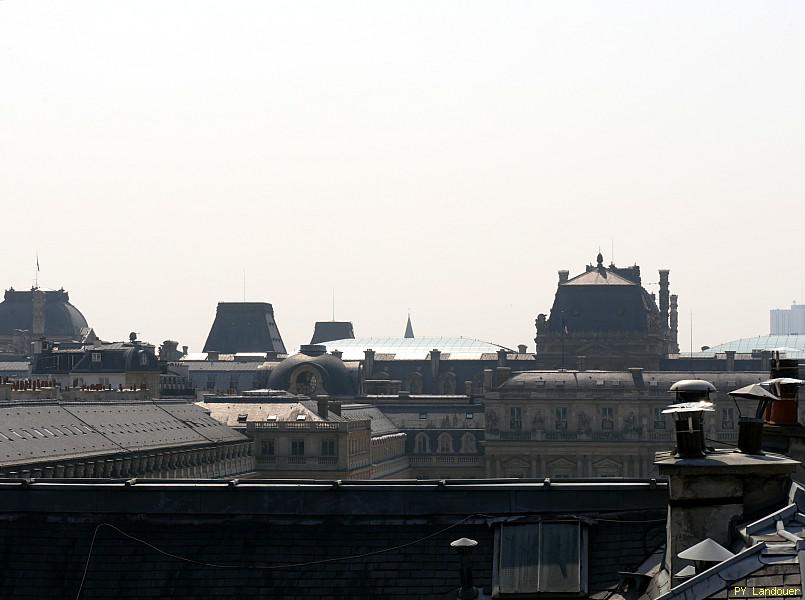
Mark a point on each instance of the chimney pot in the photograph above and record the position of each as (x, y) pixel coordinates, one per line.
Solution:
(464, 548)
(522, 348)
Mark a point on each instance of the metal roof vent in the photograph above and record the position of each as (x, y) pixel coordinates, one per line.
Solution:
(705, 554)
(688, 415)
(464, 547)
(750, 429)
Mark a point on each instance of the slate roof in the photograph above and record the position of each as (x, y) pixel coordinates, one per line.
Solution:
(379, 422)
(324, 331)
(771, 553)
(380, 539)
(229, 413)
(38, 432)
(244, 327)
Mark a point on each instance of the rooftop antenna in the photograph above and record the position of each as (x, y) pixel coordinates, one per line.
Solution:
(612, 251)
(36, 273)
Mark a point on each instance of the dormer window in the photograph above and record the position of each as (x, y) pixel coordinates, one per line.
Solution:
(143, 359)
(549, 557)
(96, 357)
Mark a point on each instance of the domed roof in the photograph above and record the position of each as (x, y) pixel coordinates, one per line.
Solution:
(62, 319)
(311, 372)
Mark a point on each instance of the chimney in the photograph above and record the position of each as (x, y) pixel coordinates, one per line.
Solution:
(368, 363)
(786, 410)
(581, 361)
(464, 547)
(673, 322)
(708, 495)
(435, 355)
(501, 375)
(522, 348)
(212, 355)
(488, 379)
(184, 350)
(321, 406)
(664, 295)
(337, 353)
(502, 358)
(730, 354)
(563, 276)
(637, 376)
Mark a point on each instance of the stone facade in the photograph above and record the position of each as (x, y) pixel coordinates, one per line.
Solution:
(594, 423)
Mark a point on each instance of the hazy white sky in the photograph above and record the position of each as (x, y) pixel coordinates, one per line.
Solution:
(447, 157)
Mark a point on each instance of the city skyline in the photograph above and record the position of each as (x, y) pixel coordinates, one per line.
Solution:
(389, 153)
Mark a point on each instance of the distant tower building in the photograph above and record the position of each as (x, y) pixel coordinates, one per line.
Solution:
(605, 316)
(785, 321)
(244, 327)
(409, 330)
(327, 331)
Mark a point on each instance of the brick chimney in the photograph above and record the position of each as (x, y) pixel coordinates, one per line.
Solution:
(563, 276)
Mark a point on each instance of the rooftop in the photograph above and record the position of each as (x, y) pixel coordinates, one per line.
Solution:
(414, 348)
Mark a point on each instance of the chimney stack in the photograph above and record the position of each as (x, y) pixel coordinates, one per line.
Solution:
(563, 276)
(730, 355)
(435, 355)
(502, 357)
(321, 406)
(522, 348)
(673, 322)
(368, 363)
(664, 295)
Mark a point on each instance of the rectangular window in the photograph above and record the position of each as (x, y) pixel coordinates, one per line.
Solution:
(545, 557)
(328, 448)
(516, 418)
(210, 382)
(96, 357)
(297, 447)
(607, 418)
(659, 419)
(561, 418)
(267, 447)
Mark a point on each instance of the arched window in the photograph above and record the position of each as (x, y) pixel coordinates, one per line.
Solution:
(421, 443)
(445, 444)
(468, 445)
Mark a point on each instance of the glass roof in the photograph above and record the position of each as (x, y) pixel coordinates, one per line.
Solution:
(413, 348)
(792, 345)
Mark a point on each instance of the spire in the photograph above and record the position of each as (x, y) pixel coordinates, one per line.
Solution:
(409, 330)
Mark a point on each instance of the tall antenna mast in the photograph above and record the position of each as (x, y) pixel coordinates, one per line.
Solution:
(36, 273)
